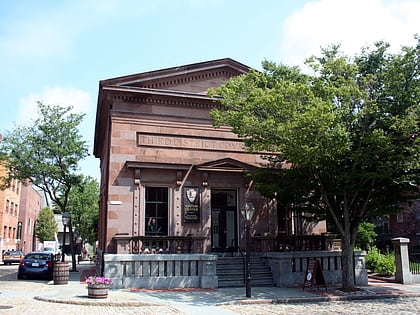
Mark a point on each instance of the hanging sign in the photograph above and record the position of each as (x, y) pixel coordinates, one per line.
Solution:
(191, 201)
(313, 274)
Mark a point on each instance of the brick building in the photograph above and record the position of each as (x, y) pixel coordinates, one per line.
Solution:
(407, 223)
(9, 214)
(165, 171)
(30, 206)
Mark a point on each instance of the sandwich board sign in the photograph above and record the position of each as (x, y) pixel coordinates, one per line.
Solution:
(313, 274)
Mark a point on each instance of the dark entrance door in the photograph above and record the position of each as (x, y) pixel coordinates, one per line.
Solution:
(223, 220)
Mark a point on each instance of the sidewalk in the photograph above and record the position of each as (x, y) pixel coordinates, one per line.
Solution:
(75, 292)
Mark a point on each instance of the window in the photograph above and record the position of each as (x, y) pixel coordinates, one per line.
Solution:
(156, 211)
(399, 217)
(385, 226)
(417, 214)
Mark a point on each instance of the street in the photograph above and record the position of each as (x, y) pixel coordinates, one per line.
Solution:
(16, 296)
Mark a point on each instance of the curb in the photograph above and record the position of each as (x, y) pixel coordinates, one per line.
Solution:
(383, 279)
(88, 301)
(84, 300)
(325, 299)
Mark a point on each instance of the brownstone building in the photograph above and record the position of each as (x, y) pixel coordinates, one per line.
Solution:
(164, 169)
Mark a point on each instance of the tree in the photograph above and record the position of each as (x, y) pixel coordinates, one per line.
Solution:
(84, 208)
(47, 152)
(366, 235)
(46, 227)
(348, 133)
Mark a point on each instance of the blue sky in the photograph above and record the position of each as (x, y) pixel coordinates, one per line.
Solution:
(57, 51)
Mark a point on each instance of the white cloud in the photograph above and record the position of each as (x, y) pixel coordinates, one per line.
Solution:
(58, 95)
(351, 23)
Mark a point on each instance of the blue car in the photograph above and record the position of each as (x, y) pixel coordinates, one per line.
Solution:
(36, 265)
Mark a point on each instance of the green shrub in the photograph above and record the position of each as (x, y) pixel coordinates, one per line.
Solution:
(372, 258)
(383, 264)
(386, 265)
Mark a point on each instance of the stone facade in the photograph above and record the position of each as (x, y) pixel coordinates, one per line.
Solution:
(165, 170)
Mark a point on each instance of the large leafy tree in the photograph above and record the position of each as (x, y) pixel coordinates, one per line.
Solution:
(46, 227)
(345, 136)
(47, 152)
(83, 204)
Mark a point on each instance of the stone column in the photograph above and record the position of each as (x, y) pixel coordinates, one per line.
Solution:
(402, 263)
(207, 272)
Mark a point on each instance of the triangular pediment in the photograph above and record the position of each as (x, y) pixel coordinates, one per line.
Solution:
(194, 78)
(226, 164)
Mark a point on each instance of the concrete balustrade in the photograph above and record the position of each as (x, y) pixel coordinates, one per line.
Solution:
(161, 271)
(289, 267)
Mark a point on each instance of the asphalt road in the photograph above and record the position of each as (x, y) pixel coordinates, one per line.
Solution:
(16, 297)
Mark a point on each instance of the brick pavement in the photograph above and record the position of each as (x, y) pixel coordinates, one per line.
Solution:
(40, 297)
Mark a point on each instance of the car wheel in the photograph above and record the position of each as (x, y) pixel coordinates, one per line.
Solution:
(20, 276)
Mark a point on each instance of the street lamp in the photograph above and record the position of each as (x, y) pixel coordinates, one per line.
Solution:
(73, 255)
(247, 213)
(65, 217)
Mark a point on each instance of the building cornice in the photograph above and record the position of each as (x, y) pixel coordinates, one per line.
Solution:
(161, 97)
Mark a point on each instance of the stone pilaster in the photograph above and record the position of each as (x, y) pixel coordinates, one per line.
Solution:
(402, 263)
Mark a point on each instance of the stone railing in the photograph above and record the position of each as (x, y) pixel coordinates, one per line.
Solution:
(161, 271)
(295, 243)
(158, 244)
(289, 268)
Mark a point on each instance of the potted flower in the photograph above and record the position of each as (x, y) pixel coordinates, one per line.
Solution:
(98, 287)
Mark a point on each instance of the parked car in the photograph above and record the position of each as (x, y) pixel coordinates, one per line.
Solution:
(36, 265)
(13, 256)
(57, 255)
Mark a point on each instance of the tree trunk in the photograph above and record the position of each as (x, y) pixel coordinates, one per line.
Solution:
(347, 264)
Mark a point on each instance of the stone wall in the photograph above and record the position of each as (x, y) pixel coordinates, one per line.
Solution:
(161, 271)
(289, 267)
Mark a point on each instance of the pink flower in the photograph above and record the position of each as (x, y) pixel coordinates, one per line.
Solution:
(98, 280)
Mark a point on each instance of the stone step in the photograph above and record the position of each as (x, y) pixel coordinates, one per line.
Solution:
(230, 271)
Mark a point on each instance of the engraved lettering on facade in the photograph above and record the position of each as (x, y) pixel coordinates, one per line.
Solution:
(188, 143)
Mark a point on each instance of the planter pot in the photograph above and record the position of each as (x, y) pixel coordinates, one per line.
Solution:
(98, 291)
(61, 272)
